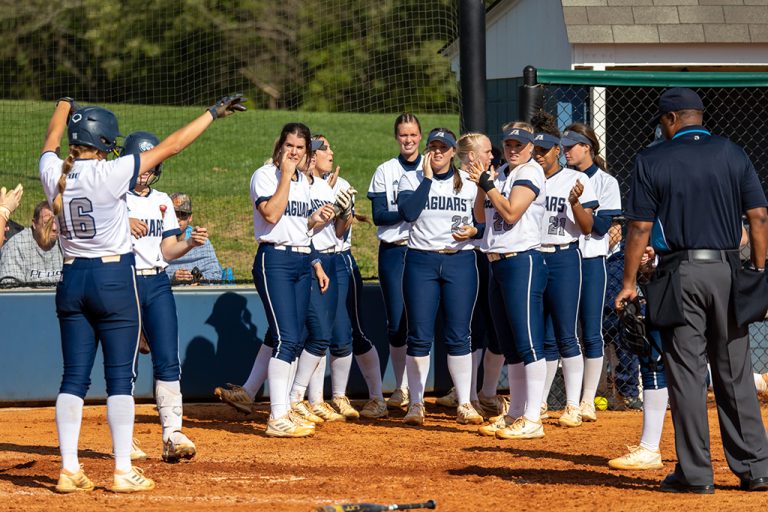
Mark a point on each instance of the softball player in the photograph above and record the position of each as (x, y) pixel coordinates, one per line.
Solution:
(283, 221)
(154, 226)
(439, 267)
(348, 337)
(322, 303)
(512, 207)
(582, 153)
(570, 201)
(393, 241)
(96, 299)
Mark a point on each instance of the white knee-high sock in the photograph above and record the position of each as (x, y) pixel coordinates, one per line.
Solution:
(477, 358)
(370, 367)
(593, 369)
(259, 371)
(69, 417)
(398, 355)
(418, 370)
(535, 377)
(551, 372)
(518, 390)
(169, 406)
(492, 365)
(654, 410)
(340, 368)
(460, 368)
(317, 383)
(279, 383)
(120, 416)
(304, 370)
(573, 374)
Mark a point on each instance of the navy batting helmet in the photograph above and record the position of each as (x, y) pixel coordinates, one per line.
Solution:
(95, 127)
(138, 142)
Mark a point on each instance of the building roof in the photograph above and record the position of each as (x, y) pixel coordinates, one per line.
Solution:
(665, 21)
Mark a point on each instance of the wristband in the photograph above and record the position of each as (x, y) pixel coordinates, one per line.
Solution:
(213, 112)
(315, 261)
(756, 269)
(485, 182)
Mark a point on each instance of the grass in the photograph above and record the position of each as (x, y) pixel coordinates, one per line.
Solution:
(216, 169)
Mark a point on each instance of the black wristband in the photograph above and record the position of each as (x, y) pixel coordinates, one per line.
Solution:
(213, 112)
(485, 182)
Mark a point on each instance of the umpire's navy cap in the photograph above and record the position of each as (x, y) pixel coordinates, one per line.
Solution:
(571, 138)
(444, 137)
(545, 140)
(518, 134)
(675, 99)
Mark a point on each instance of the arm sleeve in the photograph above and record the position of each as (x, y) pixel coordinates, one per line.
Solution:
(381, 214)
(410, 204)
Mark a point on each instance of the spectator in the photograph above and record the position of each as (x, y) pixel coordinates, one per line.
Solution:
(9, 201)
(203, 258)
(27, 258)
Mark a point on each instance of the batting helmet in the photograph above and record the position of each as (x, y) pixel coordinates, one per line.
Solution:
(138, 142)
(95, 127)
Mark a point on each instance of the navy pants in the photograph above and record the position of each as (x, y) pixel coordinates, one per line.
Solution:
(391, 263)
(594, 279)
(516, 298)
(652, 364)
(348, 336)
(483, 333)
(160, 325)
(97, 302)
(561, 303)
(283, 280)
(626, 373)
(430, 278)
(322, 309)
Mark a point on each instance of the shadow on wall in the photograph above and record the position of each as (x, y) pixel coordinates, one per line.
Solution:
(207, 364)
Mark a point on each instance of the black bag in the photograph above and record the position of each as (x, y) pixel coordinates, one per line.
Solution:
(749, 294)
(664, 298)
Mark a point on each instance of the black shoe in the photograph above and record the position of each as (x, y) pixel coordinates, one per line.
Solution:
(672, 484)
(754, 484)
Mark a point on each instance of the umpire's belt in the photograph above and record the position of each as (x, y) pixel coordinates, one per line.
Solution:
(113, 258)
(290, 248)
(149, 271)
(558, 247)
(697, 256)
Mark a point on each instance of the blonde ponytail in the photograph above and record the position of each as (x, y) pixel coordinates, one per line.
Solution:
(58, 201)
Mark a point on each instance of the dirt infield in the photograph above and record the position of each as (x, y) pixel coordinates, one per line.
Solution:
(238, 468)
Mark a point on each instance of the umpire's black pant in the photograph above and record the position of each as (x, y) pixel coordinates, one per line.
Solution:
(711, 332)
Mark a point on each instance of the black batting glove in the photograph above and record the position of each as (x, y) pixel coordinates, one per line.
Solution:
(228, 105)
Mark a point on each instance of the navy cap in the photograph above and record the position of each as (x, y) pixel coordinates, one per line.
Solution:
(545, 140)
(675, 99)
(318, 144)
(518, 134)
(571, 138)
(444, 137)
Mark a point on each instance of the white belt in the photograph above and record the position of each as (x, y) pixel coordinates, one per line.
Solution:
(496, 256)
(330, 250)
(556, 247)
(149, 271)
(292, 248)
(115, 258)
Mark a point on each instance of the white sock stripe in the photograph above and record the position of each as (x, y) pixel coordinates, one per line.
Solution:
(271, 309)
(528, 306)
(578, 304)
(477, 291)
(602, 303)
(355, 299)
(138, 338)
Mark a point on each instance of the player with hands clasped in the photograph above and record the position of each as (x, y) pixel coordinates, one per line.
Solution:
(439, 268)
(96, 299)
(323, 300)
(582, 153)
(9, 201)
(570, 201)
(154, 228)
(392, 233)
(511, 205)
(283, 223)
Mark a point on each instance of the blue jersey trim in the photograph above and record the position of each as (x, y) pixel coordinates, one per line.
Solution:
(608, 213)
(409, 166)
(171, 232)
(689, 131)
(136, 167)
(529, 184)
(658, 238)
(590, 204)
(591, 170)
(261, 199)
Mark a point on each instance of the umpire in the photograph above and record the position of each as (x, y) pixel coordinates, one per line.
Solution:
(690, 192)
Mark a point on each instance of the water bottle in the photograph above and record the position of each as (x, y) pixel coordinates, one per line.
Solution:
(223, 276)
(230, 277)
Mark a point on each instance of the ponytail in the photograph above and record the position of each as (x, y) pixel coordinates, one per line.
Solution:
(58, 201)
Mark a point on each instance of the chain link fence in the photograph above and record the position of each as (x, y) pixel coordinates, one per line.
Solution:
(619, 114)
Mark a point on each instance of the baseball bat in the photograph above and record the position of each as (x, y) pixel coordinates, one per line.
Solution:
(373, 507)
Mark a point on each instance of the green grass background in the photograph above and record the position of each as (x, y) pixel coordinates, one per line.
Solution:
(217, 168)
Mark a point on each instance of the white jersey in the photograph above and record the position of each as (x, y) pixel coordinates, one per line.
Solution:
(94, 219)
(444, 213)
(385, 182)
(156, 210)
(345, 242)
(291, 229)
(559, 226)
(608, 195)
(321, 194)
(525, 234)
